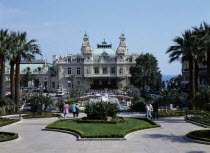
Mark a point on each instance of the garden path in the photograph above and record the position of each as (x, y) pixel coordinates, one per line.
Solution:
(167, 139)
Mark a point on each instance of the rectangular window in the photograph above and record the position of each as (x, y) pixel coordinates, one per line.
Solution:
(69, 60)
(78, 82)
(69, 70)
(104, 70)
(53, 84)
(78, 70)
(78, 60)
(96, 71)
(113, 70)
(58, 87)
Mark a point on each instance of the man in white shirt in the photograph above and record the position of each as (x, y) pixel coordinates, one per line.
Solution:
(149, 109)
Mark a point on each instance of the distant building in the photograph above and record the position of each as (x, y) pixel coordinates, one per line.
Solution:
(42, 70)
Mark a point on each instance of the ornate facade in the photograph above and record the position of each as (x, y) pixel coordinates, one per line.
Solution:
(98, 68)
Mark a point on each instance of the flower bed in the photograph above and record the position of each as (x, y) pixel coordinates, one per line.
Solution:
(203, 119)
(171, 113)
(7, 136)
(116, 120)
(202, 135)
(6, 121)
(41, 115)
(101, 130)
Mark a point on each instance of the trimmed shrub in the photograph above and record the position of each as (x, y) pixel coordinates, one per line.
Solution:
(171, 113)
(138, 107)
(101, 110)
(203, 135)
(7, 136)
(41, 115)
(116, 120)
(6, 121)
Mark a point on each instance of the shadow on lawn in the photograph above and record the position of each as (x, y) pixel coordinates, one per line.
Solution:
(172, 138)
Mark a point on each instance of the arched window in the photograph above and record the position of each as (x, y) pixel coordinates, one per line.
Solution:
(39, 69)
(28, 68)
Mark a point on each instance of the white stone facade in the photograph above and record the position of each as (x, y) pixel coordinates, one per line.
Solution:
(98, 68)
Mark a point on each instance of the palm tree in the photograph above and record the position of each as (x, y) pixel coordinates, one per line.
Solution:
(3, 52)
(203, 34)
(11, 58)
(183, 50)
(25, 50)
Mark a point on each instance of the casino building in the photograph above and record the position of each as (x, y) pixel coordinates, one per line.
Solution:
(103, 67)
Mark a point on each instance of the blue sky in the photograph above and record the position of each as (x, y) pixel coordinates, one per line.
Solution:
(149, 25)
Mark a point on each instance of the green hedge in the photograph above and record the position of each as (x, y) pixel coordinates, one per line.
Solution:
(114, 121)
(203, 135)
(121, 134)
(194, 120)
(41, 115)
(10, 136)
(171, 113)
(6, 121)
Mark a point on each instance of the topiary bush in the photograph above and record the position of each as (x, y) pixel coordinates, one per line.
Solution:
(7, 136)
(138, 107)
(37, 102)
(203, 135)
(101, 110)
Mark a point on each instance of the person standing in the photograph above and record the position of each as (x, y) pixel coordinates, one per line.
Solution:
(148, 110)
(73, 109)
(65, 109)
(77, 110)
(155, 109)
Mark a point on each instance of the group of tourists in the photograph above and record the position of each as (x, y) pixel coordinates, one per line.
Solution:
(74, 108)
(150, 108)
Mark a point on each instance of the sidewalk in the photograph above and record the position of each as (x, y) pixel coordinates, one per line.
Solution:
(168, 139)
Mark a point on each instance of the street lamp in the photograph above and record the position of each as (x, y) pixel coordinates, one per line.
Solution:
(78, 92)
(68, 88)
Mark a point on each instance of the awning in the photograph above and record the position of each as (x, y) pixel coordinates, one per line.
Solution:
(184, 82)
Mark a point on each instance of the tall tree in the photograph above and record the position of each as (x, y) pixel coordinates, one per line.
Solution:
(146, 72)
(3, 51)
(26, 78)
(26, 50)
(11, 58)
(203, 38)
(183, 50)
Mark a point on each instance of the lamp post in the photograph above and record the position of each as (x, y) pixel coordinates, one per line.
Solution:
(69, 87)
(78, 92)
(40, 90)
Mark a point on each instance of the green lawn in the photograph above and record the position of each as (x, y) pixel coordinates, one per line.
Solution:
(103, 130)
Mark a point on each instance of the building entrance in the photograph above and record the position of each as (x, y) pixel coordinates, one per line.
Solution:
(104, 83)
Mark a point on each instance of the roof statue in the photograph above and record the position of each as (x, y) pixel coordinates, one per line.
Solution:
(122, 48)
(86, 48)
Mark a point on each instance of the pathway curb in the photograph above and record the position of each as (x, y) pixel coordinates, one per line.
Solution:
(85, 139)
(196, 123)
(196, 141)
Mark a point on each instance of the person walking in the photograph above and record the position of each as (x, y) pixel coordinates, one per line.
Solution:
(65, 109)
(148, 110)
(73, 109)
(77, 110)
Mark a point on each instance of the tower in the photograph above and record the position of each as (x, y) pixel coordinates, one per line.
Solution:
(86, 49)
(122, 49)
